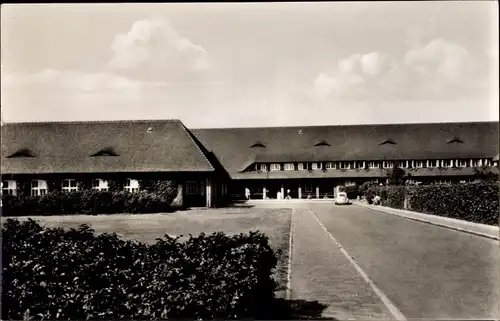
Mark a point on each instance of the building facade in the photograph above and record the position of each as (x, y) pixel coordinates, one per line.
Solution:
(211, 165)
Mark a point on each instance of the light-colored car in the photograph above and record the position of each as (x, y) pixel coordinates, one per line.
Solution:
(342, 199)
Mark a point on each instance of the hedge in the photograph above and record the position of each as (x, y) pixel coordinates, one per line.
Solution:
(56, 274)
(85, 202)
(474, 202)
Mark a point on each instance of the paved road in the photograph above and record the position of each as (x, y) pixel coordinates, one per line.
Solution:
(426, 271)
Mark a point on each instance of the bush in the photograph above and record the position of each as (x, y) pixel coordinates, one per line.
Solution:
(56, 274)
(475, 202)
(86, 202)
(395, 196)
(352, 191)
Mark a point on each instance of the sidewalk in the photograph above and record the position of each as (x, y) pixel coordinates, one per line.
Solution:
(320, 272)
(483, 230)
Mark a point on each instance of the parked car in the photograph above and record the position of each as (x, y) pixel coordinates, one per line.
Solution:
(342, 199)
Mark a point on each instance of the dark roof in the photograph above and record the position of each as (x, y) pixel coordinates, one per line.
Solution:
(66, 147)
(349, 142)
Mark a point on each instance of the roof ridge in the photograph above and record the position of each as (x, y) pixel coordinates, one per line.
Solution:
(196, 144)
(351, 125)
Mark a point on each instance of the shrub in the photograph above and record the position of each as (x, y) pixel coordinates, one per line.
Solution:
(55, 274)
(475, 202)
(86, 202)
(396, 196)
(352, 191)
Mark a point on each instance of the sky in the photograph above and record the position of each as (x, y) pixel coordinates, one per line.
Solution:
(251, 64)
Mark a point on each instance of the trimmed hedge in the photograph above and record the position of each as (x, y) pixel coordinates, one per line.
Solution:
(352, 191)
(53, 274)
(85, 202)
(474, 202)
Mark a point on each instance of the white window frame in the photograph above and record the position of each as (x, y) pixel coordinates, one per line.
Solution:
(72, 185)
(461, 163)
(263, 167)
(329, 165)
(275, 167)
(373, 164)
(289, 167)
(40, 189)
(430, 165)
(192, 188)
(314, 166)
(486, 162)
(419, 164)
(387, 164)
(102, 185)
(301, 167)
(450, 163)
(9, 187)
(131, 185)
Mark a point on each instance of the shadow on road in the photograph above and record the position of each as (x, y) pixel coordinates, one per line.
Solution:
(283, 309)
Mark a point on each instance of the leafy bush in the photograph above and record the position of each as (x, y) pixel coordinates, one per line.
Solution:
(396, 196)
(74, 274)
(352, 191)
(475, 202)
(86, 202)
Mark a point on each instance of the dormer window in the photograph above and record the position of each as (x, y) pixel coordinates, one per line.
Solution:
(322, 143)
(258, 144)
(388, 141)
(454, 140)
(22, 153)
(105, 152)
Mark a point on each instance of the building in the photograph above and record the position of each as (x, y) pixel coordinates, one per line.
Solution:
(208, 165)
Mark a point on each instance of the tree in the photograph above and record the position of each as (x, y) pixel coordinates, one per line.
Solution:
(397, 176)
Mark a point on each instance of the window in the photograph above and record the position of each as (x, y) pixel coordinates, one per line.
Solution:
(131, 185)
(38, 187)
(486, 162)
(289, 167)
(432, 163)
(322, 143)
(301, 166)
(308, 188)
(461, 163)
(349, 183)
(263, 167)
(474, 163)
(9, 187)
(446, 163)
(100, 184)
(388, 141)
(358, 165)
(192, 188)
(258, 144)
(329, 165)
(388, 164)
(372, 164)
(24, 152)
(419, 164)
(314, 166)
(275, 167)
(69, 185)
(108, 151)
(345, 165)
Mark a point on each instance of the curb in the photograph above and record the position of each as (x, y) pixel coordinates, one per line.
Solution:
(496, 238)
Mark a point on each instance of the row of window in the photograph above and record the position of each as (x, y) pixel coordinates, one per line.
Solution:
(39, 187)
(432, 163)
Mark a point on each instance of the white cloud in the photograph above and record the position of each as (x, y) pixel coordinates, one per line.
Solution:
(78, 81)
(152, 48)
(440, 69)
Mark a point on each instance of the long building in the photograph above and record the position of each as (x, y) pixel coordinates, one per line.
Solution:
(209, 165)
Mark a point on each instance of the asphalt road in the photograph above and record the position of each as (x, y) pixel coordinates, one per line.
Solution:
(426, 271)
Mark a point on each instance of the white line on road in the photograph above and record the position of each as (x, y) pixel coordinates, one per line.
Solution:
(392, 308)
(289, 275)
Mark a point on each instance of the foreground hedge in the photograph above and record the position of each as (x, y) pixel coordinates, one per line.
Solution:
(74, 274)
(85, 202)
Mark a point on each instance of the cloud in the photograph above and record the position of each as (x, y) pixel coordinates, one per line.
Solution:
(78, 81)
(152, 48)
(440, 69)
